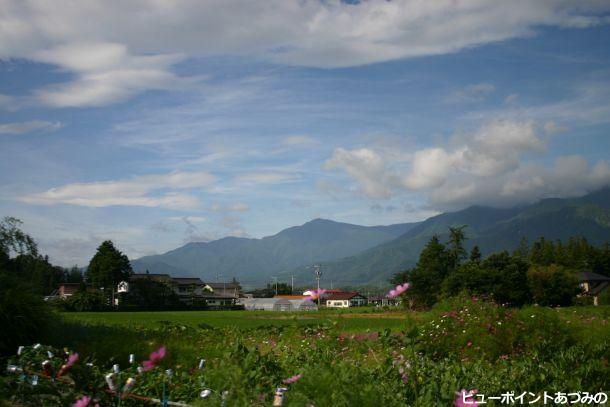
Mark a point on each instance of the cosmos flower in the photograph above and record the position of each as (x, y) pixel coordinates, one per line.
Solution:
(153, 359)
(71, 360)
(399, 290)
(292, 379)
(465, 399)
(82, 402)
(315, 294)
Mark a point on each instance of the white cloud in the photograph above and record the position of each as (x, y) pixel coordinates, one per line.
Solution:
(129, 192)
(28, 127)
(107, 73)
(116, 50)
(491, 165)
(367, 167)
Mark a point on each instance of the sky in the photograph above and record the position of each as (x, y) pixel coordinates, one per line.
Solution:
(158, 123)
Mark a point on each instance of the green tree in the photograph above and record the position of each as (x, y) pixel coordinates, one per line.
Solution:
(24, 316)
(455, 251)
(475, 254)
(552, 285)
(427, 277)
(14, 240)
(108, 266)
(73, 275)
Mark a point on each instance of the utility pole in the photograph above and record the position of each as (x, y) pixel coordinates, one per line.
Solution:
(292, 284)
(275, 278)
(318, 272)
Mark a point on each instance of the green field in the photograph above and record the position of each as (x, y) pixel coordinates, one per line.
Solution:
(348, 320)
(358, 357)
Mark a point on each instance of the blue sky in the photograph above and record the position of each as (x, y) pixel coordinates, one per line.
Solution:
(154, 124)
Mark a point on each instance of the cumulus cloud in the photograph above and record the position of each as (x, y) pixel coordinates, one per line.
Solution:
(115, 50)
(367, 167)
(487, 166)
(30, 126)
(136, 191)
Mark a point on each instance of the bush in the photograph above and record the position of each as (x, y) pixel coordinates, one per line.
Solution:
(84, 301)
(469, 328)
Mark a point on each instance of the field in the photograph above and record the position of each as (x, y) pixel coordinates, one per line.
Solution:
(357, 357)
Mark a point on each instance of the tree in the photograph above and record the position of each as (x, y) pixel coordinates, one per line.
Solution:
(426, 278)
(14, 240)
(475, 254)
(108, 266)
(456, 252)
(23, 313)
(552, 285)
(73, 275)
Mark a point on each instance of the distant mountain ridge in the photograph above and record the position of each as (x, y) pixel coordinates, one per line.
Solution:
(253, 261)
(491, 229)
(356, 255)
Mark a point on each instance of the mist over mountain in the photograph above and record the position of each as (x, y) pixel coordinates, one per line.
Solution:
(491, 229)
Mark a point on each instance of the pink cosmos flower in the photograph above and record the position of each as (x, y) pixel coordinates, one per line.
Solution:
(292, 379)
(153, 359)
(399, 290)
(71, 360)
(315, 294)
(82, 402)
(465, 399)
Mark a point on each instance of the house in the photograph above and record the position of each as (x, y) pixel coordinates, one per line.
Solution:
(193, 289)
(277, 304)
(592, 284)
(230, 289)
(345, 300)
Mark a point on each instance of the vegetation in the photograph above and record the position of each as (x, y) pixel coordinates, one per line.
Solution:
(338, 358)
(544, 274)
(108, 266)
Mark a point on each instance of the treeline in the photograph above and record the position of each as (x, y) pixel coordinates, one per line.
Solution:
(29, 266)
(25, 276)
(543, 273)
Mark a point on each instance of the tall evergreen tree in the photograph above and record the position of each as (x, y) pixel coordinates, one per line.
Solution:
(108, 267)
(426, 278)
(475, 254)
(456, 251)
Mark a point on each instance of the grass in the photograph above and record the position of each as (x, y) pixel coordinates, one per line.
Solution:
(349, 321)
(363, 356)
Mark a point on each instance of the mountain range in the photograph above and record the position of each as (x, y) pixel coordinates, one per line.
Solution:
(356, 255)
(254, 261)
